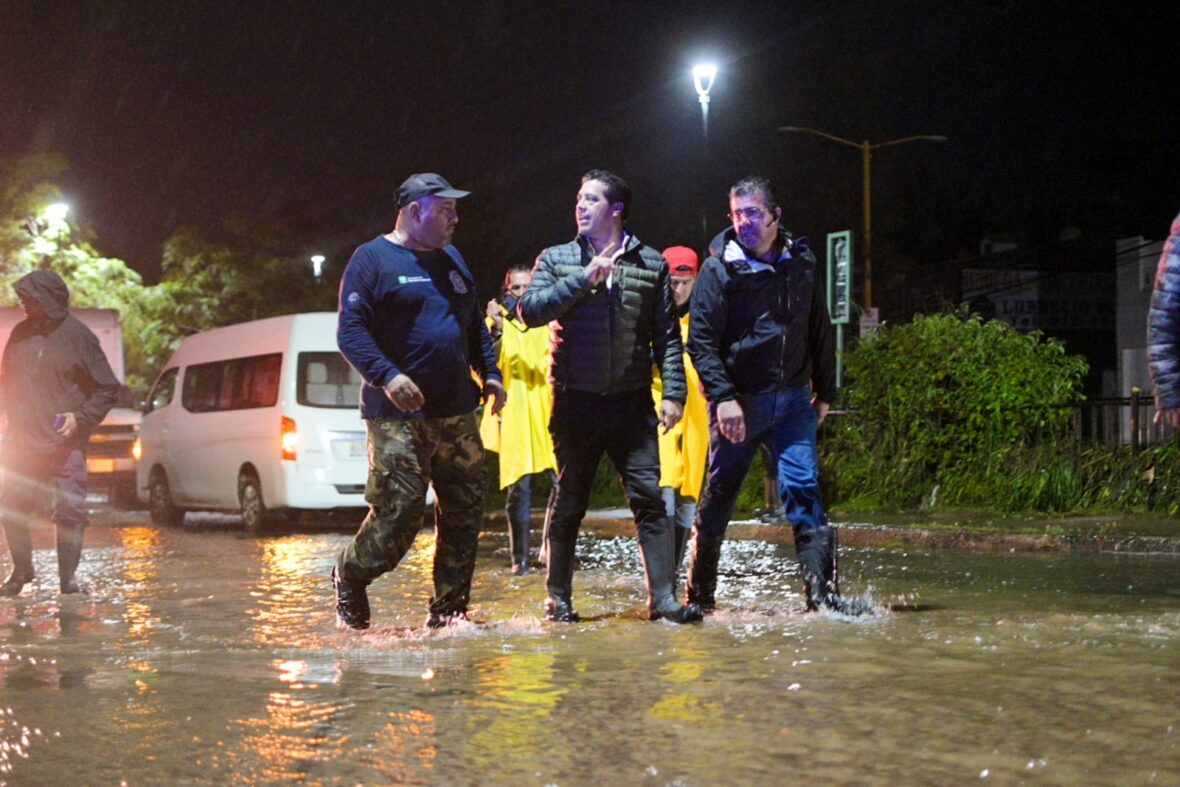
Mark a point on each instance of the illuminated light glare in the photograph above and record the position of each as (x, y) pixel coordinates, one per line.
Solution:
(57, 212)
(137, 450)
(317, 265)
(702, 78)
(289, 438)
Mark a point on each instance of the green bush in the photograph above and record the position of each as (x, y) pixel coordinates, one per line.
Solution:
(943, 406)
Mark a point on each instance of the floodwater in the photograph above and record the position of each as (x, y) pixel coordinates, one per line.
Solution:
(205, 655)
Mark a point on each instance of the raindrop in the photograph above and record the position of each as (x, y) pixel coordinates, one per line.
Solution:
(983, 774)
(428, 674)
(794, 687)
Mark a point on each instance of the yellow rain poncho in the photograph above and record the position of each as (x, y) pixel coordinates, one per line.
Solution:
(520, 434)
(684, 451)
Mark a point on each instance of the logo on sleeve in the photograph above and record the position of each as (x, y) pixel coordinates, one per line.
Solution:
(353, 299)
(458, 283)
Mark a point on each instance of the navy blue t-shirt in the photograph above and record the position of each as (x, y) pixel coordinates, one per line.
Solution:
(416, 313)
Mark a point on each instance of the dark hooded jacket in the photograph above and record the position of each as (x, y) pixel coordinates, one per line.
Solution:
(52, 364)
(757, 328)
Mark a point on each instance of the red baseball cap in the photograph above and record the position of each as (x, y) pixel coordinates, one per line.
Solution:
(682, 260)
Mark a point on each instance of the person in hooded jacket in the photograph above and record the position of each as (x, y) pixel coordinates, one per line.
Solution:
(763, 345)
(55, 387)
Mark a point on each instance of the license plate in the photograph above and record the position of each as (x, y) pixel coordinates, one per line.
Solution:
(100, 465)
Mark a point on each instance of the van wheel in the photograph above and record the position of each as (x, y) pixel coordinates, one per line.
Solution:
(255, 517)
(163, 510)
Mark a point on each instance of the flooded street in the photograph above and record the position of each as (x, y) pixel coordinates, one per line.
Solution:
(205, 655)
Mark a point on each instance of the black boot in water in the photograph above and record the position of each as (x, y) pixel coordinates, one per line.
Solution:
(817, 551)
(352, 601)
(69, 555)
(660, 569)
(20, 548)
(559, 580)
(702, 570)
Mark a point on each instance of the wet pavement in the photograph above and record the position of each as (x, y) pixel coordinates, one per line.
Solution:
(204, 655)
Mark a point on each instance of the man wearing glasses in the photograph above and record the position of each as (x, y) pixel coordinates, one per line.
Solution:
(762, 343)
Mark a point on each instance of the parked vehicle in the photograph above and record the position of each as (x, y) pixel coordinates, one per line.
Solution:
(110, 463)
(259, 417)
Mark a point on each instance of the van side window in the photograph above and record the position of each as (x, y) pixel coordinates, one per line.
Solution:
(324, 379)
(236, 384)
(162, 391)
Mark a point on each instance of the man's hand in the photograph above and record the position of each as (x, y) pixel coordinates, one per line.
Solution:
(496, 313)
(494, 390)
(1170, 415)
(404, 394)
(670, 414)
(731, 421)
(602, 264)
(70, 427)
(821, 410)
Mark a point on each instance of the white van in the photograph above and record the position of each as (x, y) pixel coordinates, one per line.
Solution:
(260, 417)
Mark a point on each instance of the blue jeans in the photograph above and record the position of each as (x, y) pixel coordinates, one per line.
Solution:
(785, 422)
(518, 507)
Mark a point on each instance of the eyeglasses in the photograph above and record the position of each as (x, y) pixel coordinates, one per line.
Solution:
(752, 215)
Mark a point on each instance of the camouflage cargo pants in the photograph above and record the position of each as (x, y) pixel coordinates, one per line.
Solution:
(403, 457)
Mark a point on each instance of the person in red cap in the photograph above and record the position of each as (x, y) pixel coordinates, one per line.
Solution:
(684, 448)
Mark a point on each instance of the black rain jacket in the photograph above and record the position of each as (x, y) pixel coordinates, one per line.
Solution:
(758, 331)
(53, 364)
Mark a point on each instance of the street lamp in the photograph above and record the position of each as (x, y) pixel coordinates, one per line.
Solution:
(317, 266)
(866, 156)
(702, 79)
(703, 75)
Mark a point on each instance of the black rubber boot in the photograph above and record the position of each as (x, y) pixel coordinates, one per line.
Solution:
(543, 554)
(681, 536)
(659, 567)
(20, 549)
(816, 550)
(352, 601)
(702, 570)
(559, 581)
(69, 555)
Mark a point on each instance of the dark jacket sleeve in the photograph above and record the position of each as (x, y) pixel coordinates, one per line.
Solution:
(1163, 324)
(667, 348)
(482, 349)
(354, 327)
(821, 342)
(706, 326)
(99, 384)
(549, 295)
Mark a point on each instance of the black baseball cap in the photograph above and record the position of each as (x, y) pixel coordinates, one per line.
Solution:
(426, 184)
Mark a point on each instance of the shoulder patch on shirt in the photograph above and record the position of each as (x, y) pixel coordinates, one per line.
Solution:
(353, 299)
(458, 283)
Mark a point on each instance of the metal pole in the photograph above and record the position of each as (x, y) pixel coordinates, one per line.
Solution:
(867, 163)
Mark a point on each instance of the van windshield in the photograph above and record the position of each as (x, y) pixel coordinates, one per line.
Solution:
(326, 380)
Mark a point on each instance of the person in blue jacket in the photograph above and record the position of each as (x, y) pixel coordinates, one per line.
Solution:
(412, 326)
(1163, 332)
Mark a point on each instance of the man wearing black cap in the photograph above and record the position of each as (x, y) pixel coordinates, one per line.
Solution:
(607, 296)
(412, 326)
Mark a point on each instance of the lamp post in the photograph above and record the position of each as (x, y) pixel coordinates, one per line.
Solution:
(866, 156)
(703, 76)
(317, 266)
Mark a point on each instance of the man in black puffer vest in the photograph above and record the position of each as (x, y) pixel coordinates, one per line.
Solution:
(607, 297)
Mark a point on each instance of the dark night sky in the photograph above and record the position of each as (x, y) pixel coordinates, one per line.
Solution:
(189, 113)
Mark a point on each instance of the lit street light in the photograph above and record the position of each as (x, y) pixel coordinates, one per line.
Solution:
(703, 75)
(317, 266)
(702, 79)
(866, 154)
(57, 212)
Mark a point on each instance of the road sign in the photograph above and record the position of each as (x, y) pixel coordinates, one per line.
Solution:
(840, 276)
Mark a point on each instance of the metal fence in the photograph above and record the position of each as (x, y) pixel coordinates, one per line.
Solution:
(1128, 420)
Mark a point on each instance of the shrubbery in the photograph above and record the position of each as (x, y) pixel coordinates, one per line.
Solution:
(953, 410)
